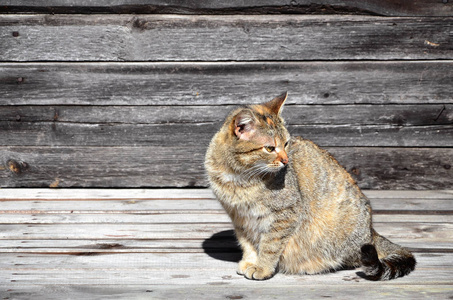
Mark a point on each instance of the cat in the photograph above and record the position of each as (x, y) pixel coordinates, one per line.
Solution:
(294, 209)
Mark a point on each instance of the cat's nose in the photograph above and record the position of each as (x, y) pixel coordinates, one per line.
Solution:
(283, 157)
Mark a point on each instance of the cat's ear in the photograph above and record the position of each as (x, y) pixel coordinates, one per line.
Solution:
(244, 125)
(276, 104)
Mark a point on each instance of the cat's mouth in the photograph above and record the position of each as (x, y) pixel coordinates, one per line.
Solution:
(276, 166)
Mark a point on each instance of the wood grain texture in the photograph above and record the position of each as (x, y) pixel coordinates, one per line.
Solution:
(123, 94)
(22, 206)
(425, 232)
(386, 7)
(197, 136)
(222, 242)
(294, 114)
(50, 194)
(189, 218)
(176, 208)
(225, 275)
(58, 243)
(168, 263)
(366, 82)
(203, 38)
(220, 288)
(73, 166)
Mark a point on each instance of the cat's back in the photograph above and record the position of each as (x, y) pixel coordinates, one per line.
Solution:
(315, 166)
(326, 185)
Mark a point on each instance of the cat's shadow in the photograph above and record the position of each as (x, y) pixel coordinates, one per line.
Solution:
(223, 246)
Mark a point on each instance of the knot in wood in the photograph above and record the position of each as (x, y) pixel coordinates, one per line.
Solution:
(355, 171)
(17, 167)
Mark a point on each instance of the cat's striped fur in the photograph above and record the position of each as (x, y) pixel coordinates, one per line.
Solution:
(294, 208)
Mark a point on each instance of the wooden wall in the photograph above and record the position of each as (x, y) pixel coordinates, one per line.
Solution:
(129, 93)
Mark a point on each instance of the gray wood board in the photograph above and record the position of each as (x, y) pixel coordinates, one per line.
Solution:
(294, 115)
(218, 242)
(364, 82)
(397, 232)
(381, 7)
(197, 136)
(192, 194)
(222, 38)
(190, 254)
(185, 217)
(192, 268)
(182, 166)
(182, 210)
(222, 289)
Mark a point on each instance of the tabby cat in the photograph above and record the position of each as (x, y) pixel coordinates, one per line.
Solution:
(293, 207)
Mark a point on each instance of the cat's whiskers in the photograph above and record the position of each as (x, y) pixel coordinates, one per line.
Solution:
(259, 170)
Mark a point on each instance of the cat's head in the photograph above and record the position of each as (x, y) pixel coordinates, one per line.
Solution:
(259, 137)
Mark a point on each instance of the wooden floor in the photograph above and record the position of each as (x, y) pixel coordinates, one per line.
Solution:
(179, 244)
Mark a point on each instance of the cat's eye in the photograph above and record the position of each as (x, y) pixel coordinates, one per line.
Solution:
(269, 148)
(286, 144)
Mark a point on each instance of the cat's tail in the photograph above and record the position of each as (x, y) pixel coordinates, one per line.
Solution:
(395, 261)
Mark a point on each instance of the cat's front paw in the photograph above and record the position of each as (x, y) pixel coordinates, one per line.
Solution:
(258, 273)
(243, 266)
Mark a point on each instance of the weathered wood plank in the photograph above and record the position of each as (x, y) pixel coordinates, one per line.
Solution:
(397, 232)
(381, 7)
(393, 196)
(197, 136)
(223, 241)
(143, 194)
(369, 82)
(160, 217)
(220, 290)
(395, 125)
(188, 84)
(196, 194)
(176, 208)
(179, 262)
(78, 217)
(426, 195)
(379, 168)
(219, 243)
(171, 261)
(386, 167)
(227, 244)
(130, 261)
(294, 114)
(102, 167)
(162, 269)
(203, 38)
(159, 277)
(77, 253)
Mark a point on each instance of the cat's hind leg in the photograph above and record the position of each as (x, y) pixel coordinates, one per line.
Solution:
(385, 260)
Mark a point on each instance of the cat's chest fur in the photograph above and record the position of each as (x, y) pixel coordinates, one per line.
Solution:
(255, 207)
(249, 202)
(250, 214)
